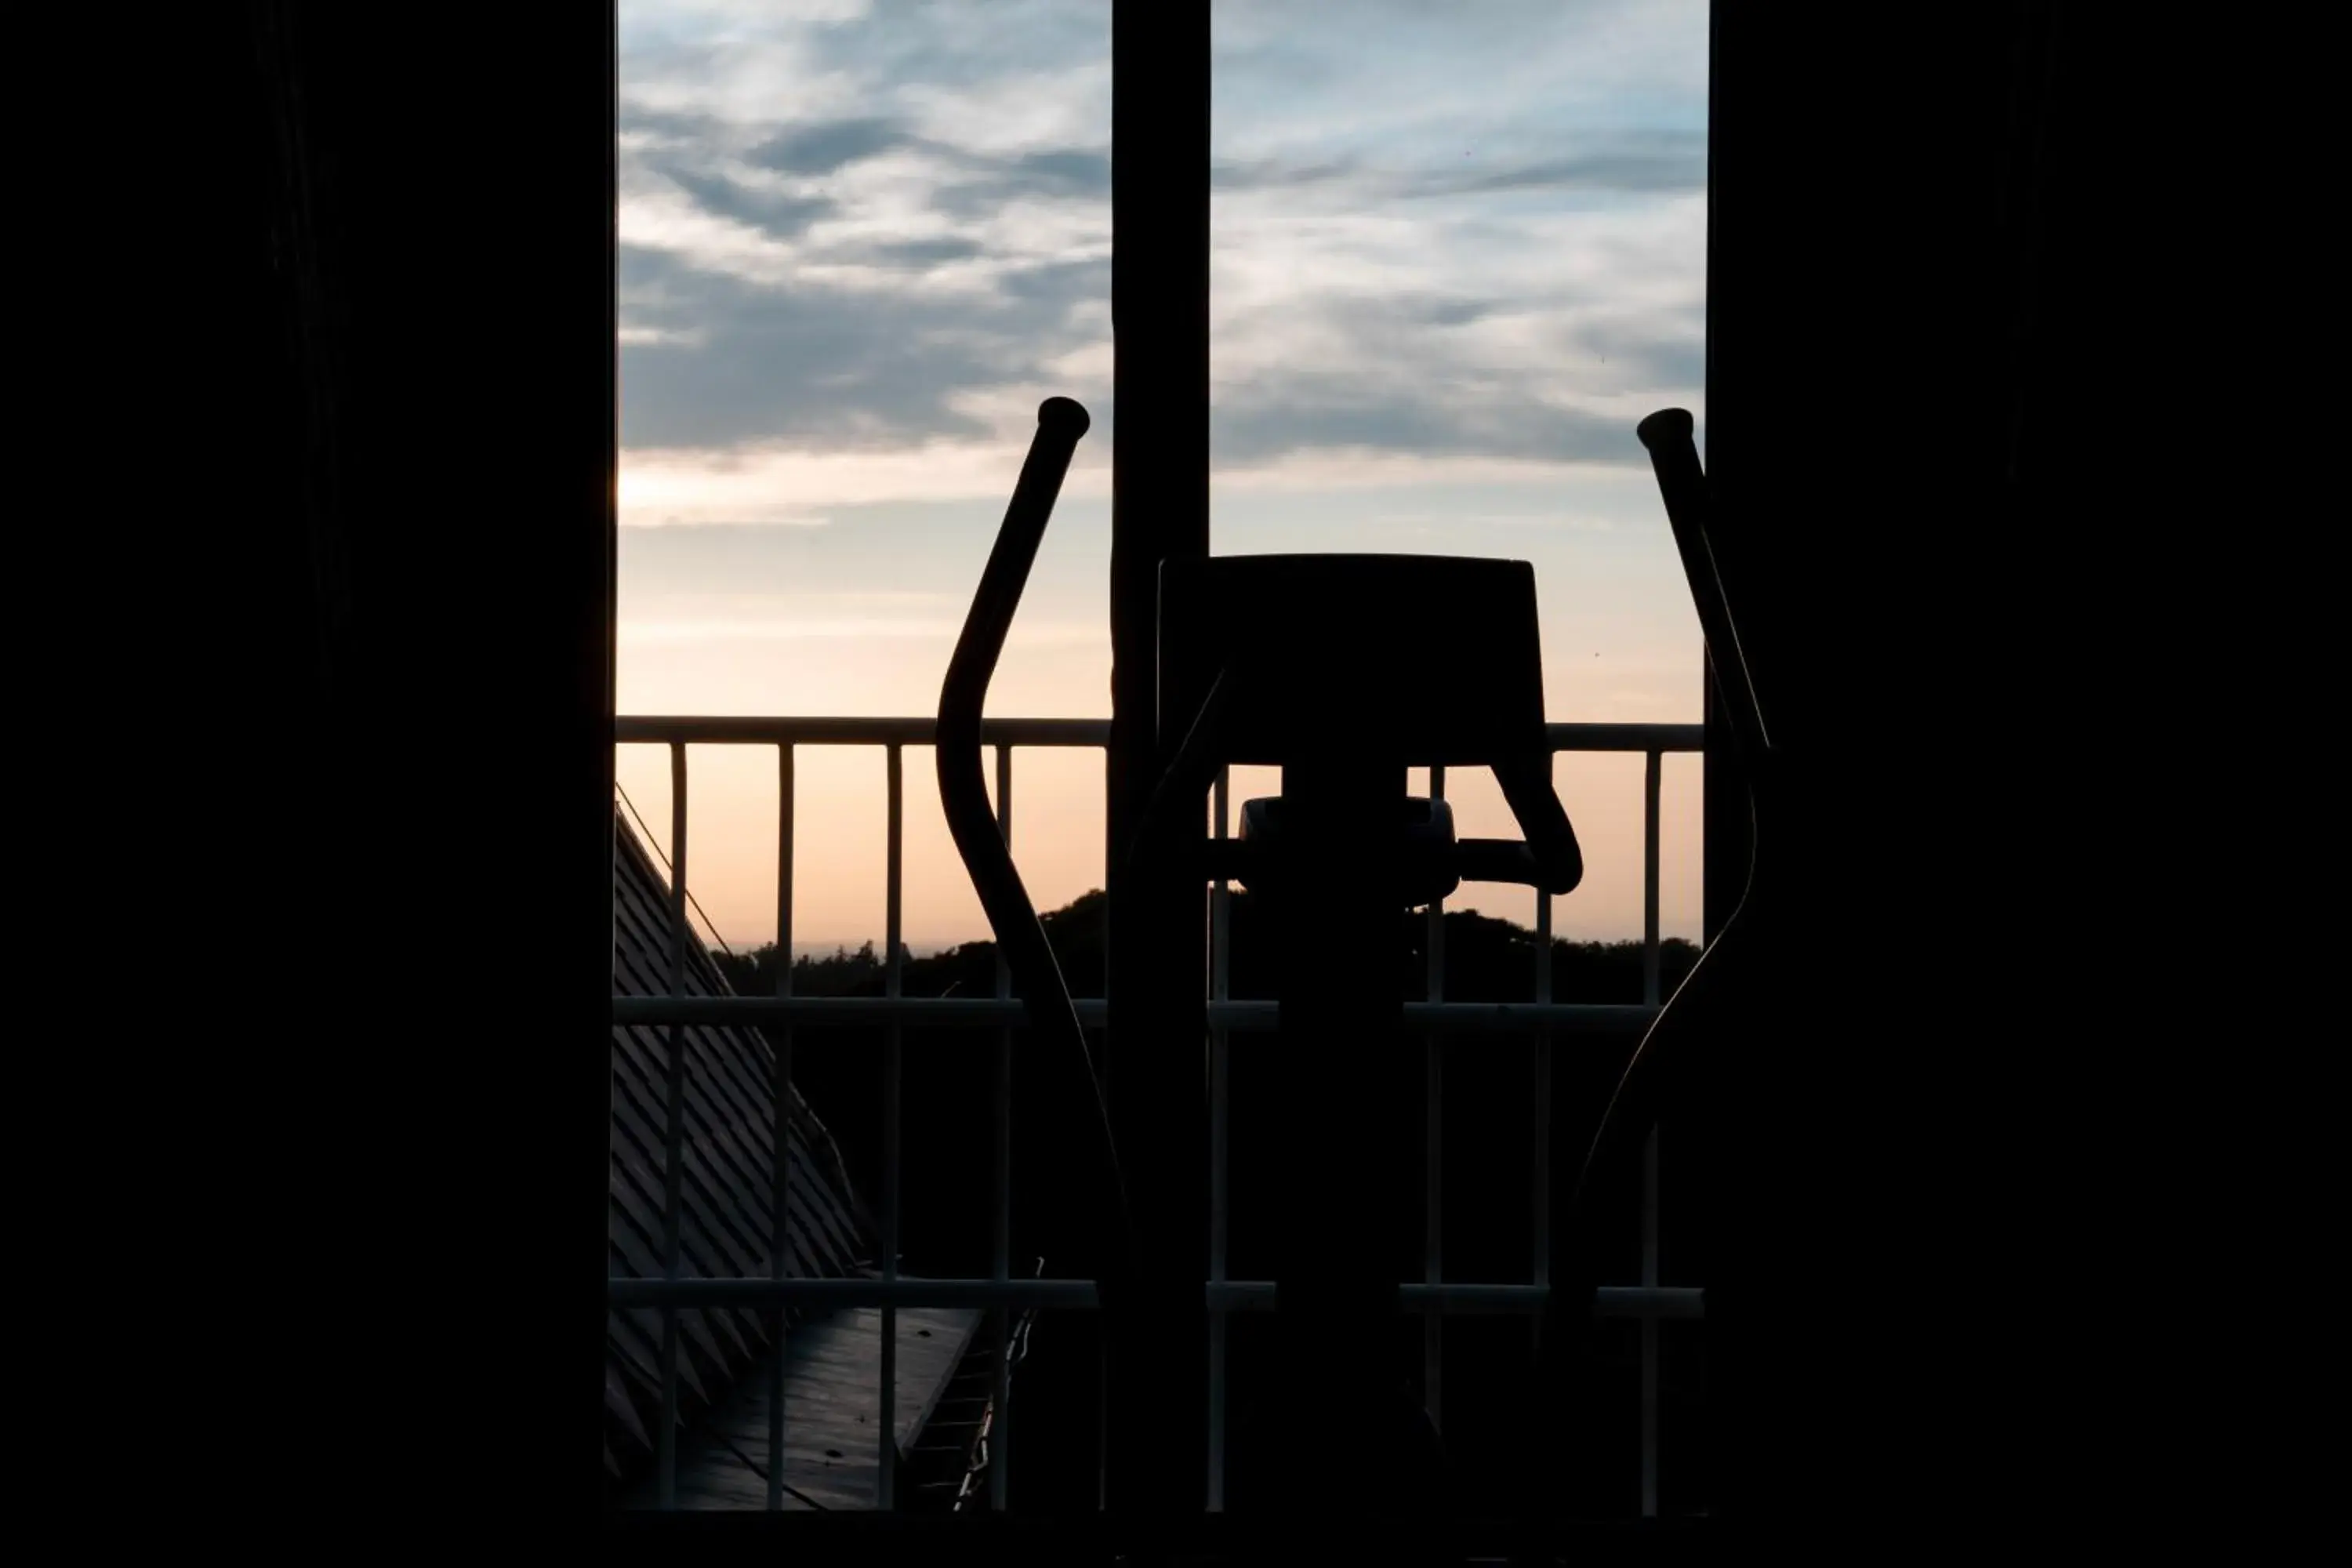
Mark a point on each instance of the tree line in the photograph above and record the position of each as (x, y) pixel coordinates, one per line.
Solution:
(1488, 959)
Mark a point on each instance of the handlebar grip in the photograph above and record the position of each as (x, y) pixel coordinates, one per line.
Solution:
(1060, 423)
(1666, 429)
(1683, 485)
(1064, 419)
(1509, 860)
(1555, 859)
(1498, 860)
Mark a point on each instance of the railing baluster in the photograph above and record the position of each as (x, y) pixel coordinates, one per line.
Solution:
(1650, 777)
(1651, 987)
(1488, 1020)
(1433, 1327)
(785, 791)
(886, 1476)
(1110, 1093)
(1540, 1093)
(1084, 734)
(1650, 1328)
(755, 1294)
(674, 1132)
(1220, 1148)
(1649, 1301)
(1001, 1243)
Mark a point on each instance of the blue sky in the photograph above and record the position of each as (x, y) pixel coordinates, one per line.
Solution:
(1458, 251)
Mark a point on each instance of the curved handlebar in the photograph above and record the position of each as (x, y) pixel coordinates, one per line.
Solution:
(1554, 863)
(1683, 485)
(963, 789)
(1504, 860)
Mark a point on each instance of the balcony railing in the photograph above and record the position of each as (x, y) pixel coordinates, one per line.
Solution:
(1645, 1300)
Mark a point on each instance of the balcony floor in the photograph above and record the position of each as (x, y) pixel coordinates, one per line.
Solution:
(832, 1404)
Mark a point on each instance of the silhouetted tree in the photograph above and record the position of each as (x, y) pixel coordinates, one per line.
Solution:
(1486, 960)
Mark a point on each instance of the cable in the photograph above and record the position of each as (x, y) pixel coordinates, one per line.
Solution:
(983, 1455)
(647, 835)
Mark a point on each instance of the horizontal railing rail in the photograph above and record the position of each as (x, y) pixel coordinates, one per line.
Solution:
(760, 729)
(1647, 1301)
(1638, 1302)
(962, 1011)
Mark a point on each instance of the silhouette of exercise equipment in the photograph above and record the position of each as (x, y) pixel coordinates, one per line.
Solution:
(1680, 1067)
(1345, 671)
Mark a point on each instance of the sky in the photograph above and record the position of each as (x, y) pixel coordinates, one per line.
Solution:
(1457, 253)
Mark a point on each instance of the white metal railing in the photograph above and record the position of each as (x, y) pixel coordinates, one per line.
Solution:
(1648, 1300)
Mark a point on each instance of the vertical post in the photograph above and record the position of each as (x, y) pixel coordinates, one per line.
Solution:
(674, 1132)
(1111, 954)
(1540, 1092)
(886, 1476)
(1650, 995)
(1159, 388)
(1433, 1323)
(1340, 1099)
(1650, 1328)
(785, 791)
(1650, 978)
(1159, 511)
(1220, 1142)
(1001, 1241)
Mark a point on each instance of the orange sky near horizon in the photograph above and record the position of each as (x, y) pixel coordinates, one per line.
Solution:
(1059, 835)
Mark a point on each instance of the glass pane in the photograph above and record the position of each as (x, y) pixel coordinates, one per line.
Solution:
(1458, 253)
(860, 244)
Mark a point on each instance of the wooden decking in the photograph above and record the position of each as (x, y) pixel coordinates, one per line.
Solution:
(832, 1406)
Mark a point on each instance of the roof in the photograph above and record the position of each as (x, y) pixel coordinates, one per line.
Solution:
(726, 1230)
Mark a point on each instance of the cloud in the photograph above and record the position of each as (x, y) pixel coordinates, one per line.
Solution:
(1631, 161)
(781, 485)
(821, 149)
(831, 368)
(859, 242)
(1310, 470)
(1466, 518)
(1334, 409)
(777, 214)
(829, 628)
